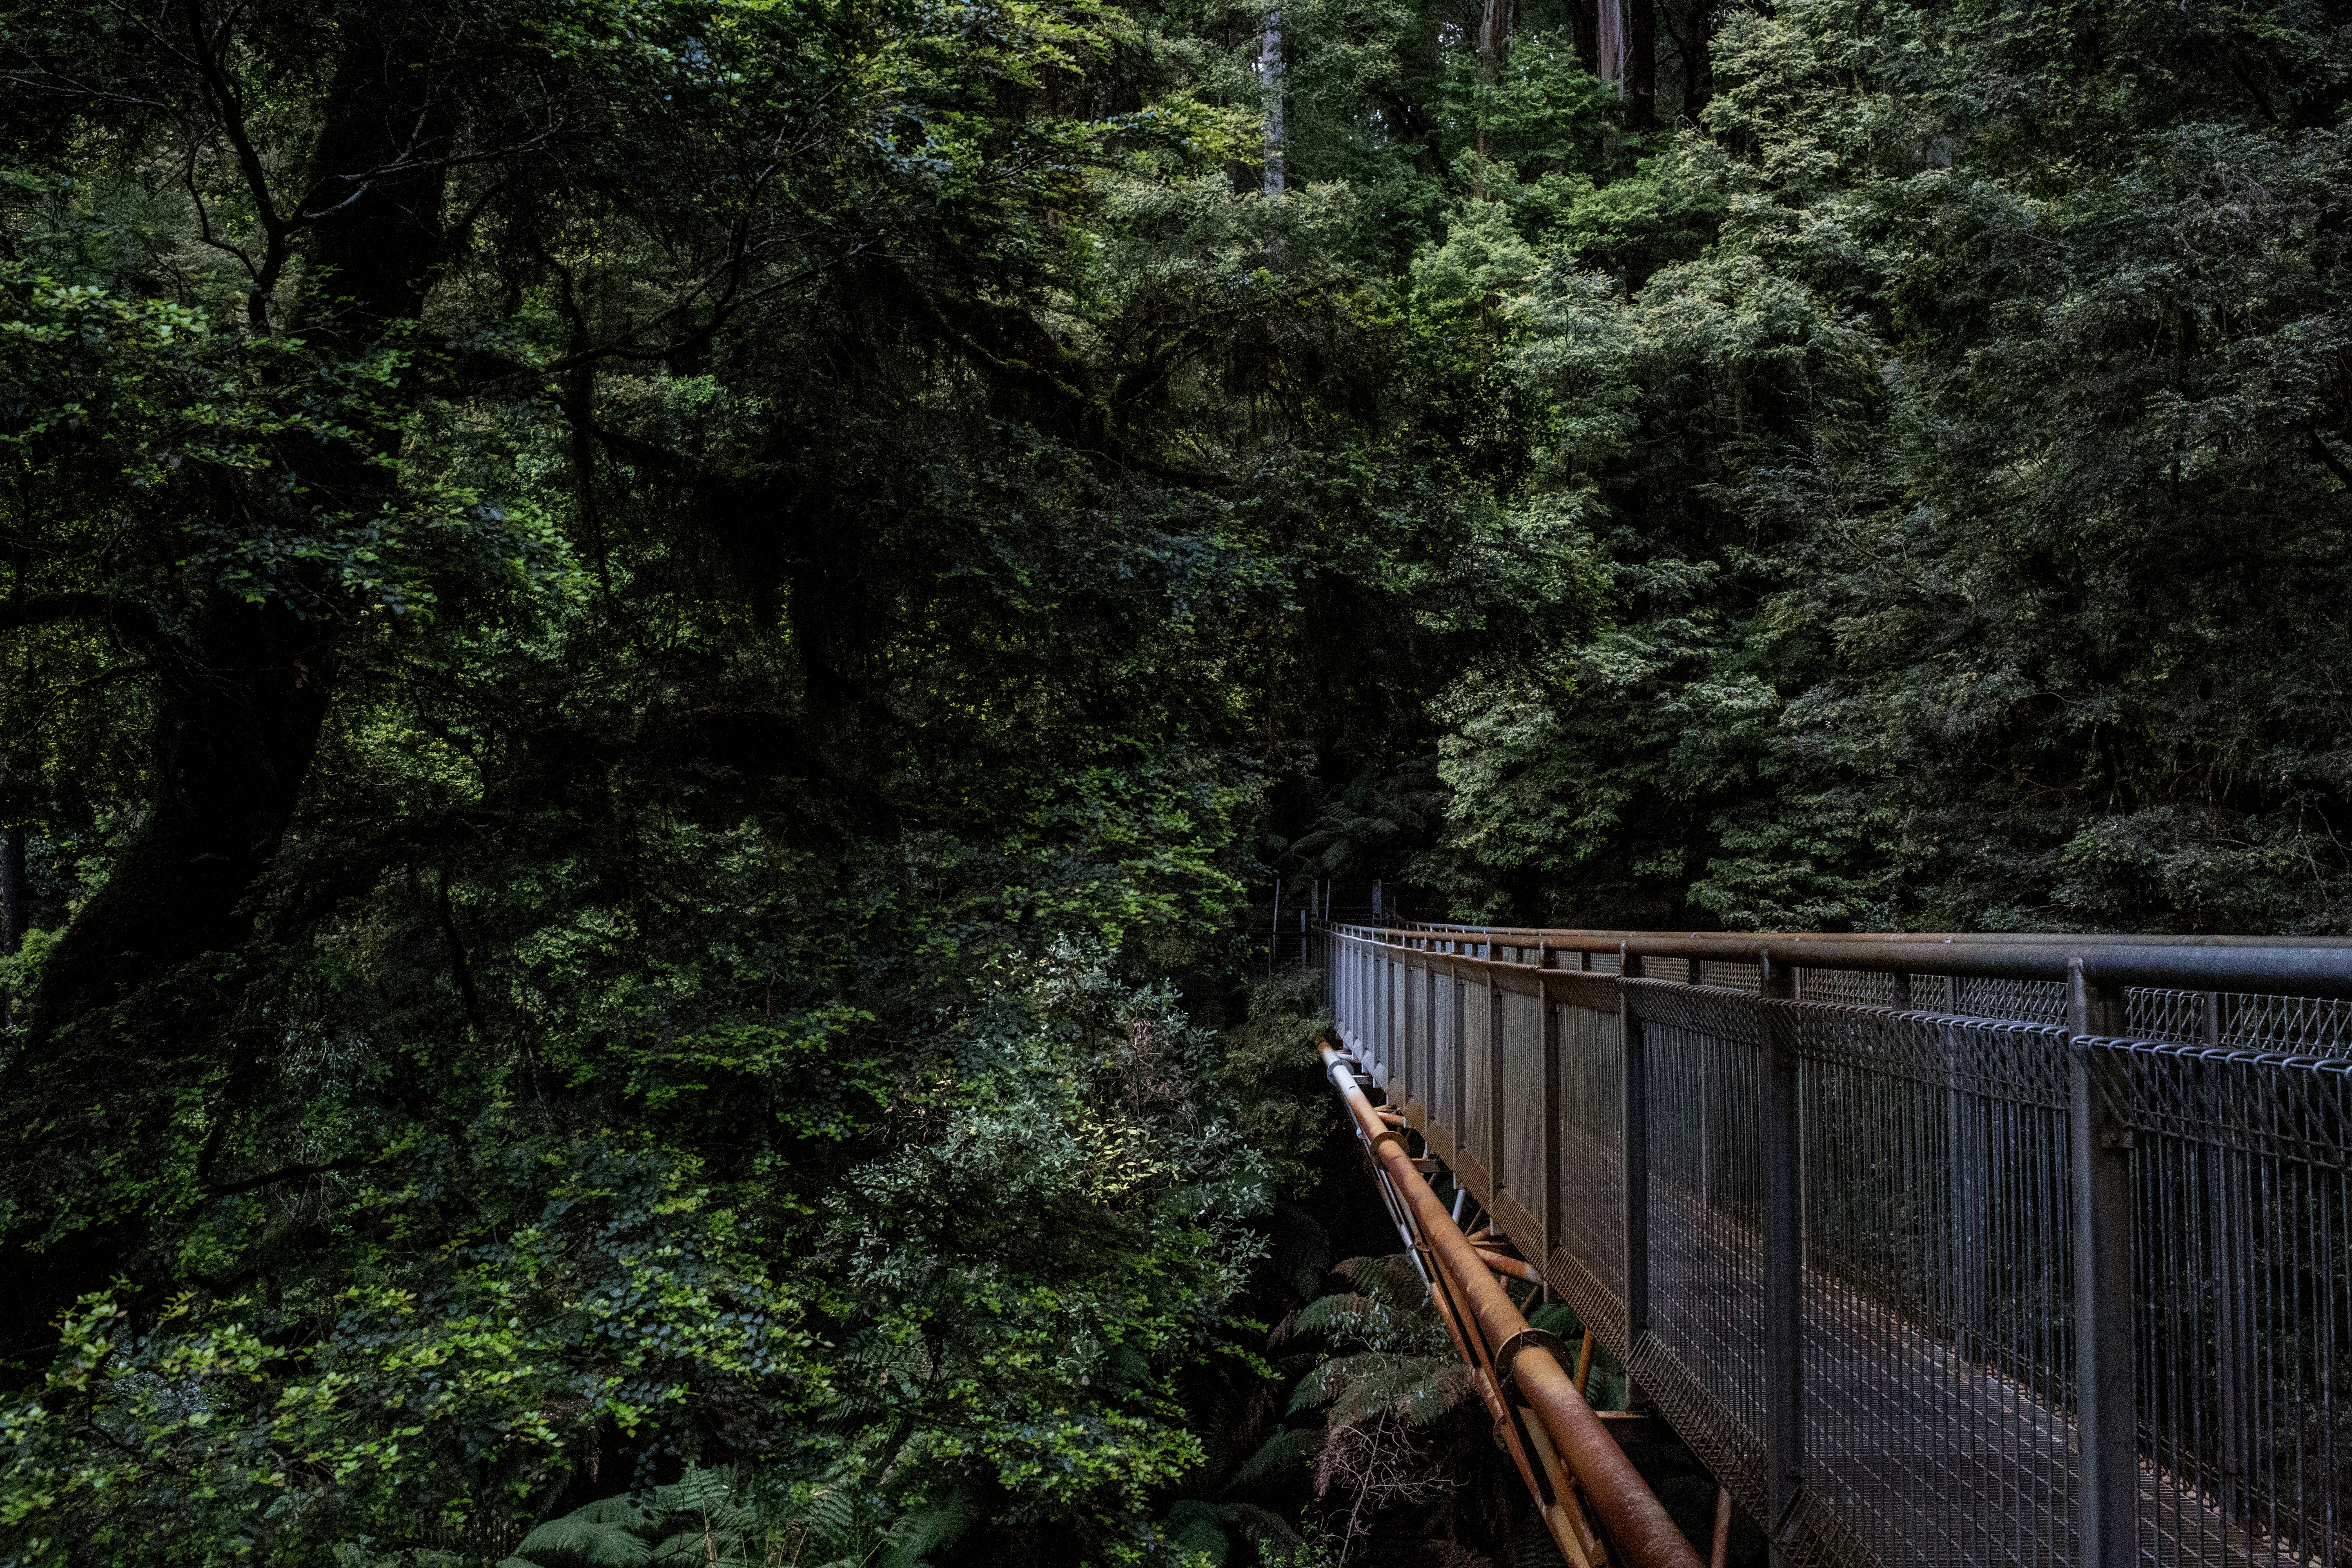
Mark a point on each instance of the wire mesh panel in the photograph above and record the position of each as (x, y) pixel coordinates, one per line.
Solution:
(1474, 1138)
(1520, 1023)
(1393, 1050)
(1347, 1003)
(1938, 1288)
(1590, 1202)
(2284, 1025)
(1387, 1025)
(1706, 1241)
(2289, 1026)
(1849, 985)
(2242, 1175)
(1730, 975)
(1412, 1036)
(2020, 1001)
(1444, 1094)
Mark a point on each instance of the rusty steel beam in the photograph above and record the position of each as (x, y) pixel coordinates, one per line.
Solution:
(1510, 1359)
(1516, 1268)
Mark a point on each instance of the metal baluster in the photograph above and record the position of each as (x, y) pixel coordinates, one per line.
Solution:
(1782, 1129)
(1635, 1054)
(2106, 1412)
(1554, 1220)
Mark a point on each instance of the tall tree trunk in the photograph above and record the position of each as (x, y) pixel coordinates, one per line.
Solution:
(1641, 64)
(1269, 71)
(1612, 36)
(124, 1024)
(242, 704)
(1494, 53)
(1691, 47)
(1493, 40)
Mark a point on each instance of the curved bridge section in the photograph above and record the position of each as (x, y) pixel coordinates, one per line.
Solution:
(1935, 1249)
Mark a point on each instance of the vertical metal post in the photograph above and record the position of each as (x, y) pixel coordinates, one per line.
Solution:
(1635, 1056)
(1429, 1042)
(2101, 1157)
(2227, 1222)
(1494, 1140)
(1967, 1155)
(1458, 1101)
(1781, 1127)
(1553, 1069)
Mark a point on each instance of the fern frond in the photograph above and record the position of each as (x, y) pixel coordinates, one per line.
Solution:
(1197, 1526)
(1557, 1318)
(1287, 1449)
(602, 1535)
(915, 1535)
(1262, 1527)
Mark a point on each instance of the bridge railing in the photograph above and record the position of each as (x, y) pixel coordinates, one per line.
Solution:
(1935, 1249)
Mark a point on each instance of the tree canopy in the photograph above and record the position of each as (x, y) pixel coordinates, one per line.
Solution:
(655, 652)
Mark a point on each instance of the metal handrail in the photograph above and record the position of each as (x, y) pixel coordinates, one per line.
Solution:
(2317, 966)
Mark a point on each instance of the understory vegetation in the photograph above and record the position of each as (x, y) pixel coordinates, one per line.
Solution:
(656, 658)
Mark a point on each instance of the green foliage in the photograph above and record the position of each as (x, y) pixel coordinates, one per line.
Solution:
(643, 712)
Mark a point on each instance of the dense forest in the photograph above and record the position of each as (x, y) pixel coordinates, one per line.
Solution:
(651, 653)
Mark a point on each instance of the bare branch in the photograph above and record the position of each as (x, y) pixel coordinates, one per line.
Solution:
(2335, 464)
(230, 110)
(289, 1173)
(623, 347)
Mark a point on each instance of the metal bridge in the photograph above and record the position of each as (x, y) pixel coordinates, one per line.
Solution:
(1934, 1249)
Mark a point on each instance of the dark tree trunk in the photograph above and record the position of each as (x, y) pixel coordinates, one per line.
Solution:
(243, 697)
(13, 918)
(1699, 63)
(234, 732)
(1584, 24)
(1641, 64)
(125, 1026)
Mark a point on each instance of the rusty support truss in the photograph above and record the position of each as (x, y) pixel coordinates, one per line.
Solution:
(1593, 1501)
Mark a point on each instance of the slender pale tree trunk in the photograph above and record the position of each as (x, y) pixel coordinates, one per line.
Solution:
(1609, 38)
(1269, 73)
(1493, 52)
